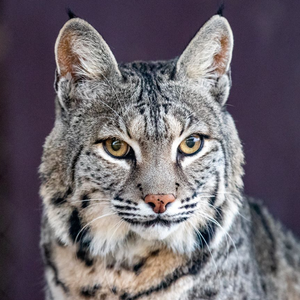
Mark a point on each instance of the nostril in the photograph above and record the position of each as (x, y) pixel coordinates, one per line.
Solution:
(159, 202)
(151, 204)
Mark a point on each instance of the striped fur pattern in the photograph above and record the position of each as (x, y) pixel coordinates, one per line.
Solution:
(100, 239)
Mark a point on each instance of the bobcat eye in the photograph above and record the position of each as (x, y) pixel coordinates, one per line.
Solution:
(116, 148)
(191, 145)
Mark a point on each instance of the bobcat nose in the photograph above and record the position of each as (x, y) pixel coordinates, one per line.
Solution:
(159, 202)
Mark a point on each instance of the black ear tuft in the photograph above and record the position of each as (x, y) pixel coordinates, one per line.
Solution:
(221, 9)
(70, 13)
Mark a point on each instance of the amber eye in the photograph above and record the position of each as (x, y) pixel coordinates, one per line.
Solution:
(191, 145)
(116, 147)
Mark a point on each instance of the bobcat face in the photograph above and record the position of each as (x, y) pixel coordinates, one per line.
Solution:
(142, 153)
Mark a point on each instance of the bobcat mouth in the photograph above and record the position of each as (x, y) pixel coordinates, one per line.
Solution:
(156, 221)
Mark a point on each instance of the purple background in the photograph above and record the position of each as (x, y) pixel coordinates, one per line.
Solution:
(264, 101)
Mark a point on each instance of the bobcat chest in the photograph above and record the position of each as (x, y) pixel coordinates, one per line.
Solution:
(100, 278)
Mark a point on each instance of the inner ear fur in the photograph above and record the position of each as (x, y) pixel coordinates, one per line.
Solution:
(80, 51)
(209, 53)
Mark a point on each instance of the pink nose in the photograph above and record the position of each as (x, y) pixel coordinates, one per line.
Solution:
(159, 202)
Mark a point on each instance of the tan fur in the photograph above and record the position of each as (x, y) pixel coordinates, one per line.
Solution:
(155, 269)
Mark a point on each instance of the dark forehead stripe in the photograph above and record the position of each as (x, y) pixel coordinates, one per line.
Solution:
(150, 93)
(152, 102)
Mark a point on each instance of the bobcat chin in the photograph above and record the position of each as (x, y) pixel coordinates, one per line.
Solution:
(142, 180)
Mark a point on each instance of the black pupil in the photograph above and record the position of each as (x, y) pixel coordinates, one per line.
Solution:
(191, 141)
(116, 145)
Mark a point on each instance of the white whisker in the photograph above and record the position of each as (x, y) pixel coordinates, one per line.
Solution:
(207, 217)
(202, 237)
(89, 223)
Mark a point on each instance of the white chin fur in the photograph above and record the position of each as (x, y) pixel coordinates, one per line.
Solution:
(178, 238)
(154, 233)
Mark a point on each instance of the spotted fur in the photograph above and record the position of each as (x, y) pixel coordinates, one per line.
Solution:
(100, 240)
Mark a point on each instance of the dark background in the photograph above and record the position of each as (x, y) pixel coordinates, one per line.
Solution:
(264, 101)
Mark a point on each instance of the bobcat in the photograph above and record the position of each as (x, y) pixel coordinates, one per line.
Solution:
(142, 180)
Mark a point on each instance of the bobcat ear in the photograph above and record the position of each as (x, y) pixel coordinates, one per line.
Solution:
(208, 56)
(81, 52)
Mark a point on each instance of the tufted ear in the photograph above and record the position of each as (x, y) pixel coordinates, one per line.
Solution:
(208, 56)
(81, 52)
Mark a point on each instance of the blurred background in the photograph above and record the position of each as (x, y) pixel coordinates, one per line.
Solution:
(264, 101)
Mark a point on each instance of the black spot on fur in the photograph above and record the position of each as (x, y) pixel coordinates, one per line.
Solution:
(154, 253)
(50, 264)
(193, 267)
(85, 201)
(89, 292)
(209, 294)
(138, 266)
(118, 198)
(125, 296)
(80, 237)
(75, 225)
(263, 285)
(83, 255)
(56, 80)
(83, 249)
(126, 214)
(125, 207)
(110, 266)
(59, 198)
(188, 206)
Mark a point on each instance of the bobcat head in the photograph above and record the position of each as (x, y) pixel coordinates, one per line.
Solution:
(142, 154)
